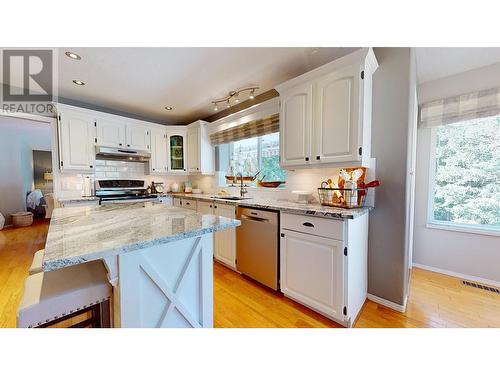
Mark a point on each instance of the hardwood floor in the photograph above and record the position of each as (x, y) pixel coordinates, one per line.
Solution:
(17, 246)
(435, 300)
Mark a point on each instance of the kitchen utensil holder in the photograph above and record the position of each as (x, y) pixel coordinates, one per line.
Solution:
(343, 198)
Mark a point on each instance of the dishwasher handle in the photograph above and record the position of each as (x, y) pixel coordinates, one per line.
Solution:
(254, 218)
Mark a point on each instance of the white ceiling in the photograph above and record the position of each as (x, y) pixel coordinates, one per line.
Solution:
(434, 63)
(143, 81)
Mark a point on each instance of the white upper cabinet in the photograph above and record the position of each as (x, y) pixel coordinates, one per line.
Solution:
(138, 137)
(200, 153)
(336, 122)
(325, 114)
(176, 143)
(158, 162)
(295, 125)
(193, 149)
(77, 133)
(117, 133)
(111, 133)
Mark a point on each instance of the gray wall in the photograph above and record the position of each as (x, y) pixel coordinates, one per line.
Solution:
(18, 138)
(467, 255)
(387, 263)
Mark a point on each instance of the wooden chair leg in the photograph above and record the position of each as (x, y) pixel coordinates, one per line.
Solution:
(96, 316)
(105, 314)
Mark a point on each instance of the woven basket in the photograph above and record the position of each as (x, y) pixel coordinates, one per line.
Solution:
(22, 219)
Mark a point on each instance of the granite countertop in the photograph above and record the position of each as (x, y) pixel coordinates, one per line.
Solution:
(81, 234)
(77, 199)
(285, 206)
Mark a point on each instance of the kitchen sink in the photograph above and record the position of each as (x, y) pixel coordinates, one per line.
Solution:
(230, 198)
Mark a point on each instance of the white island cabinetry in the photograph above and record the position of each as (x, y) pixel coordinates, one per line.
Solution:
(158, 259)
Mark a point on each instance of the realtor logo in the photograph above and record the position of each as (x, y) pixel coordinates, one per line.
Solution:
(28, 80)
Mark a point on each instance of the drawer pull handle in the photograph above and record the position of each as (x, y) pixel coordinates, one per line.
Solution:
(308, 224)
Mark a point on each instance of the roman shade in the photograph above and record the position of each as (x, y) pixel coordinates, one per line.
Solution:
(470, 106)
(255, 128)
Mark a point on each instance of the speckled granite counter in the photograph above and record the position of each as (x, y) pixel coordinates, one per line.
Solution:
(80, 234)
(77, 200)
(285, 206)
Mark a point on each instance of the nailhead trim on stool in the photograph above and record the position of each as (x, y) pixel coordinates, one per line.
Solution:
(51, 295)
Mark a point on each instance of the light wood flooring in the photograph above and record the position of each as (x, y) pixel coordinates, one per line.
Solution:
(435, 300)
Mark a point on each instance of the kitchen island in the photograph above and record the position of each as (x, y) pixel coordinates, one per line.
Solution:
(158, 258)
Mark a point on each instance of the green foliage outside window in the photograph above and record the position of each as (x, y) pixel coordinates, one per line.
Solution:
(467, 173)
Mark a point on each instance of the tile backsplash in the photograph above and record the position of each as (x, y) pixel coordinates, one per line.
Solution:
(300, 179)
(71, 185)
(120, 169)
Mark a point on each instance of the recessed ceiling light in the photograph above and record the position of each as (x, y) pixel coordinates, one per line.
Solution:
(168, 108)
(73, 55)
(79, 83)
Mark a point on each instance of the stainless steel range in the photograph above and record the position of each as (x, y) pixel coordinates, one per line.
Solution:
(123, 191)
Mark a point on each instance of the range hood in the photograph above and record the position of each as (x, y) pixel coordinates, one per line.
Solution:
(123, 154)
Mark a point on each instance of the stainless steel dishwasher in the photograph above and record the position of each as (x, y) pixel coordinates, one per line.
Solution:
(257, 245)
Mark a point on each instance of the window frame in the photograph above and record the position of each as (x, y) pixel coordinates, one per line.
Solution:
(439, 224)
(259, 162)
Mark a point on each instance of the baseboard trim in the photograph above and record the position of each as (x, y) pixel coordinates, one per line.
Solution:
(387, 303)
(458, 275)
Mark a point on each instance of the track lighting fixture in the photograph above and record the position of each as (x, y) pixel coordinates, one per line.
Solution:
(235, 96)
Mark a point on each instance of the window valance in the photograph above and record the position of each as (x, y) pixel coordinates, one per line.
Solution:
(255, 128)
(470, 106)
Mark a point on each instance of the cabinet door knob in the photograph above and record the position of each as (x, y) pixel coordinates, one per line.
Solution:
(317, 157)
(91, 166)
(154, 169)
(128, 145)
(307, 159)
(119, 144)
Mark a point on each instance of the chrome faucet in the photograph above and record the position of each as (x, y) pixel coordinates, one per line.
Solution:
(243, 190)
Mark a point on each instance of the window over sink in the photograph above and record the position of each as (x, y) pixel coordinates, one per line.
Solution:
(248, 157)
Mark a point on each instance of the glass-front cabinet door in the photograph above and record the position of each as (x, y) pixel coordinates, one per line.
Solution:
(177, 152)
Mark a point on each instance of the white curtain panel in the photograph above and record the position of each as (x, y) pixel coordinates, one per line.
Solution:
(470, 106)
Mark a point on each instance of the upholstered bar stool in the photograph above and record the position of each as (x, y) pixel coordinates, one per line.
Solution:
(55, 296)
(36, 265)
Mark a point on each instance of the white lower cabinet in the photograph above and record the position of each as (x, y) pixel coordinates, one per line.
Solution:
(323, 264)
(190, 204)
(312, 272)
(225, 241)
(177, 202)
(205, 207)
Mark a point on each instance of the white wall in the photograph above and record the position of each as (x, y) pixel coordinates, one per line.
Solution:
(470, 254)
(18, 138)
